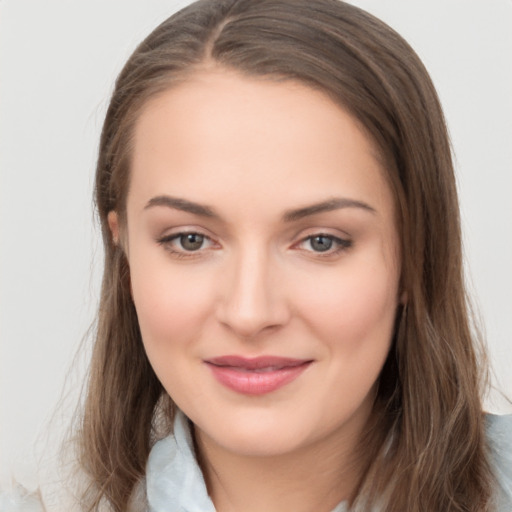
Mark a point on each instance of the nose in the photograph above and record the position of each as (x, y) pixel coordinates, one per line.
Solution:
(252, 301)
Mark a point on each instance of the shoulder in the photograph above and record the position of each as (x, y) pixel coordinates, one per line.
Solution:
(18, 499)
(499, 439)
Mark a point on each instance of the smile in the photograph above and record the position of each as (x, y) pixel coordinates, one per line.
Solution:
(256, 376)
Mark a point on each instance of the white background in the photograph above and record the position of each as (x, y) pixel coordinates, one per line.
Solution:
(58, 61)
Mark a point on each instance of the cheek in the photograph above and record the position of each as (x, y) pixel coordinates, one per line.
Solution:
(354, 318)
(354, 310)
(171, 303)
(173, 307)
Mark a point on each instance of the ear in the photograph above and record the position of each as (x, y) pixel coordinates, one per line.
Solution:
(113, 224)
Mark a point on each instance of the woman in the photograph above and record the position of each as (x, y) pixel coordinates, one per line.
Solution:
(283, 321)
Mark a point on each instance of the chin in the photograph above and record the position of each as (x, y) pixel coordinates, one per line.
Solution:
(265, 433)
(259, 444)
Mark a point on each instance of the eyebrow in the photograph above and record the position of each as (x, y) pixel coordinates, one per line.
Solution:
(326, 206)
(289, 216)
(181, 204)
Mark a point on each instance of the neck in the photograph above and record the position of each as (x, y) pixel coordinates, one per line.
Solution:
(315, 478)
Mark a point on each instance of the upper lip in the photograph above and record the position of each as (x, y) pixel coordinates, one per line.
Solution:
(255, 363)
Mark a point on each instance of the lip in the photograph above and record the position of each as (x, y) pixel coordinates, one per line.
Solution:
(258, 375)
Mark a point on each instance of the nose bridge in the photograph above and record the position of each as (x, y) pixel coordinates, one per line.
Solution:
(252, 300)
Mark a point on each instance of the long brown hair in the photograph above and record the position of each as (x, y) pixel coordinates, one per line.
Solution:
(425, 442)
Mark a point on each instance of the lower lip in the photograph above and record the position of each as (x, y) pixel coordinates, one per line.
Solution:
(251, 382)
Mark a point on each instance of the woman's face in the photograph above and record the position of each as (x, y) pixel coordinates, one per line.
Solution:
(264, 261)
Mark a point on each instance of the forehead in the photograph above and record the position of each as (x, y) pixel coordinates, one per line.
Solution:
(221, 132)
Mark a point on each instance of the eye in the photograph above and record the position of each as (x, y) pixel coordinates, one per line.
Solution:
(323, 243)
(184, 244)
(191, 241)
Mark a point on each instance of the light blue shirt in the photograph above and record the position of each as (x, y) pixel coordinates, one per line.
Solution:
(174, 482)
(499, 436)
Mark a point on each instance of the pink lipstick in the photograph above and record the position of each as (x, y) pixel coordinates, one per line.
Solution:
(256, 376)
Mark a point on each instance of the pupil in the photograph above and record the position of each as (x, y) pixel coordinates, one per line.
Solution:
(321, 243)
(192, 241)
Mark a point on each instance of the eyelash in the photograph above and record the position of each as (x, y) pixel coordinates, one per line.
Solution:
(340, 244)
(167, 243)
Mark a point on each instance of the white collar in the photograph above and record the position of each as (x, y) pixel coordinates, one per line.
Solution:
(174, 482)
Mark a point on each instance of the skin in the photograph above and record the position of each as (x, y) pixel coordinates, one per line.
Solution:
(251, 151)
